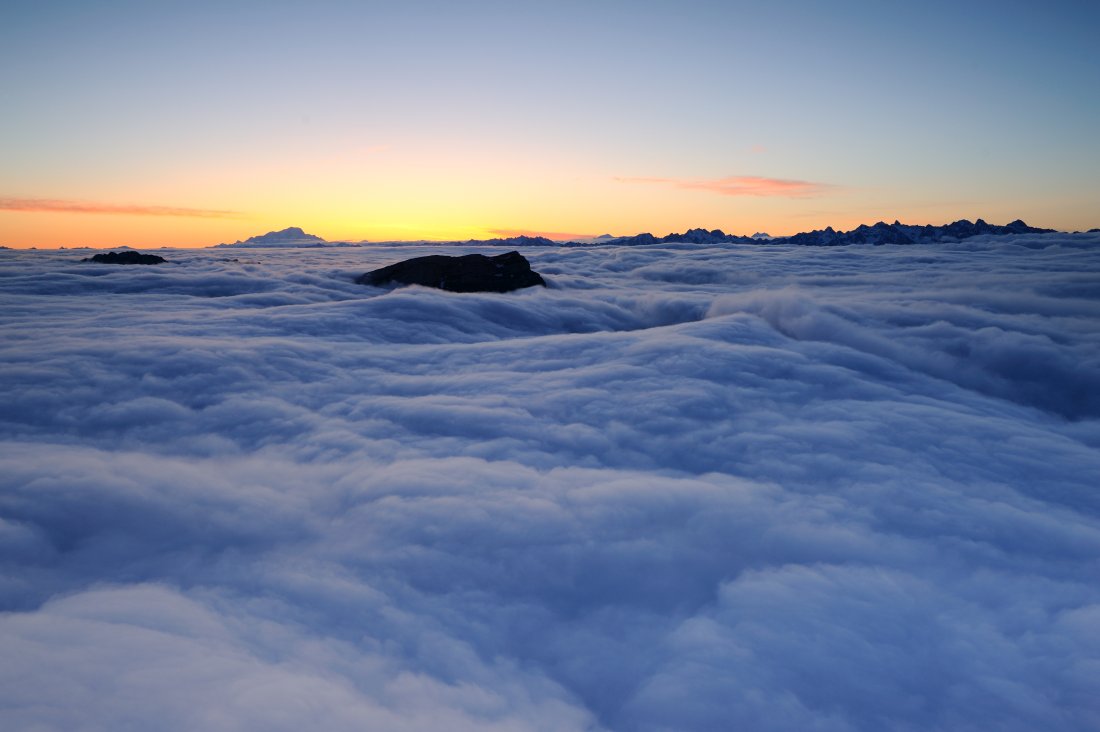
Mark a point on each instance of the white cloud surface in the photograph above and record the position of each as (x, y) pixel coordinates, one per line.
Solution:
(763, 488)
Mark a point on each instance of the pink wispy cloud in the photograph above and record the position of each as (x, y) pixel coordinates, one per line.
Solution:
(742, 185)
(53, 205)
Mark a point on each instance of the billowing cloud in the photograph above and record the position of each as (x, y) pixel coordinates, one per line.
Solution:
(52, 205)
(742, 185)
(757, 487)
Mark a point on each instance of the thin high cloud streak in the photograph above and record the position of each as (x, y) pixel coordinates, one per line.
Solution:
(742, 185)
(682, 488)
(52, 205)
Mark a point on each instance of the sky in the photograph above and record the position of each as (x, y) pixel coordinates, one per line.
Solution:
(194, 123)
(840, 489)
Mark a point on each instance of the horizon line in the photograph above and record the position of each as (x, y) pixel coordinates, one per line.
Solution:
(527, 233)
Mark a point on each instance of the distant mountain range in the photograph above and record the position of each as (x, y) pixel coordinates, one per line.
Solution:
(876, 234)
(880, 233)
(898, 233)
(289, 237)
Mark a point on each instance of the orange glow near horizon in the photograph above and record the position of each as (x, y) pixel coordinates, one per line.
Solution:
(393, 188)
(71, 230)
(378, 195)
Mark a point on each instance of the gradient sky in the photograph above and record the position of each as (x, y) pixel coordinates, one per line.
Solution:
(188, 124)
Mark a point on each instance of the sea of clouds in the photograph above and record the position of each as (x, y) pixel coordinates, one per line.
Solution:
(682, 488)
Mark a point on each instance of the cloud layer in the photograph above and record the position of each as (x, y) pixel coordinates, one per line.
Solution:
(767, 488)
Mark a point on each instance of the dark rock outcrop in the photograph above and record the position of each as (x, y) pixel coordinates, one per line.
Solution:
(469, 273)
(128, 257)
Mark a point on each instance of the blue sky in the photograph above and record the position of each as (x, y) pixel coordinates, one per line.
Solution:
(376, 120)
